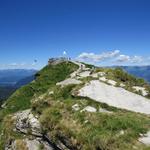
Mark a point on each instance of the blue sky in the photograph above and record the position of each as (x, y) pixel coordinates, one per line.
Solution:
(104, 32)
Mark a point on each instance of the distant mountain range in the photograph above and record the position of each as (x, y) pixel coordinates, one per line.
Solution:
(139, 71)
(12, 76)
(6, 91)
(12, 79)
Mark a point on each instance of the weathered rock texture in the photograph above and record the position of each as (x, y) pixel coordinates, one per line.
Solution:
(115, 96)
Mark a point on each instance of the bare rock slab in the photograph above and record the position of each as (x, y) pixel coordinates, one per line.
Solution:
(89, 109)
(115, 96)
(68, 82)
(145, 139)
(26, 121)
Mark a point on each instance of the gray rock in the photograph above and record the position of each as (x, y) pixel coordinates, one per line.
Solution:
(89, 109)
(115, 96)
(145, 139)
(68, 82)
(27, 122)
(102, 110)
(76, 107)
(30, 144)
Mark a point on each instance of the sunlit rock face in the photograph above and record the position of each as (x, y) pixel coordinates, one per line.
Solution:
(115, 96)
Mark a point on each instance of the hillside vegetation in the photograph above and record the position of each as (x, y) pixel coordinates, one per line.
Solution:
(139, 71)
(63, 121)
(44, 79)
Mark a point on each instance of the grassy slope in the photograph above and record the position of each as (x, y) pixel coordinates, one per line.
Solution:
(122, 77)
(45, 79)
(85, 131)
(91, 130)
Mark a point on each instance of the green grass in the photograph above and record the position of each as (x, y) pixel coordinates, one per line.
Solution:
(90, 130)
(100, 132)
(121, 76)
(81, 130)
(45, 79)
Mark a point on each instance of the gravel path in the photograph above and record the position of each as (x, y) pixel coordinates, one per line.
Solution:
(81, 67)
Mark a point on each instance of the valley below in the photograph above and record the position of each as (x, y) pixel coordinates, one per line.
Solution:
(11, 80)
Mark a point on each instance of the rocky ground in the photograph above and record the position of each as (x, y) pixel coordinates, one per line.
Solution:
(115, 96)
(89, 84)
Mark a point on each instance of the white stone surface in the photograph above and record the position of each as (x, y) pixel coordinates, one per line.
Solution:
(50, 92)
(121, 132)
(84, 74)
(34, 123)
(146, 139)
(102, 110)
(86, 69)
(29, 144)
(4, 105)
(138, 88)
(32, 144)
(35, 144)
(95, 75)
(89, 109)
(98, 74)
(76, 107)
(101, 74)
(122, 85)
(103, 79)
(81, 68)
(41, 97)
(115, 96)
(68, 82)
(25, 120)
(112, 82)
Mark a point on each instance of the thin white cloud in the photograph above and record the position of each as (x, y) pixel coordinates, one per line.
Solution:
(23, 64)
(15, 65)
(129, 59)
(114, 57)
(98, 57)
(123, 58)
(136, 59)
(33, 64)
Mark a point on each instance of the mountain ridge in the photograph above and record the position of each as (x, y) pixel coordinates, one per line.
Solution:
(52, 115)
